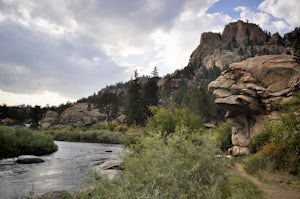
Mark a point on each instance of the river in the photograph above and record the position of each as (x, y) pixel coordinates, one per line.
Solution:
(67, 169)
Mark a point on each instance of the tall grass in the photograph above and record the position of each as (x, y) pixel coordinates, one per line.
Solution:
(15, 142)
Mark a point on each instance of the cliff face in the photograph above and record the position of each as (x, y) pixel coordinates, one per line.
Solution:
(251, 92)
(238, 41)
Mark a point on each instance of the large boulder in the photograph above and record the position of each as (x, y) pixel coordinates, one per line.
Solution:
(49, 118)
(251, 92)
(79, 115)
(29, 159)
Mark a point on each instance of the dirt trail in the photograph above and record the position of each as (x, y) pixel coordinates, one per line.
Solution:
(272, 190)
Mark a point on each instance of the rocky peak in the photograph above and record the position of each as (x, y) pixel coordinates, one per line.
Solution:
(244, 33)
(276, 39)
(238, 41)
(251, 92)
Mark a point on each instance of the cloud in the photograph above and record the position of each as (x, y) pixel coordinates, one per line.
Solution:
(74, 47)
(273, 15)
(283, 10)
(42, 99)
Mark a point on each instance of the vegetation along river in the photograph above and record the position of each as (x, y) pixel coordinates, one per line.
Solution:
(67, 169)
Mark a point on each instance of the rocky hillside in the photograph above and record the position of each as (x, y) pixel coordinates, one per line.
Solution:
(251, 92)
(216, 51)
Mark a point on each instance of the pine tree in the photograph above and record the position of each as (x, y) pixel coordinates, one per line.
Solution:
(133, 107)
(149, 97)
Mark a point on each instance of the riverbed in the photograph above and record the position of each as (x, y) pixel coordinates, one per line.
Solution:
(67, 169)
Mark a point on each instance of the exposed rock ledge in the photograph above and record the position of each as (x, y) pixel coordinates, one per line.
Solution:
(251, 92)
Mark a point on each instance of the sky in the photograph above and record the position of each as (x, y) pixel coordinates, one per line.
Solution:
(55, 51)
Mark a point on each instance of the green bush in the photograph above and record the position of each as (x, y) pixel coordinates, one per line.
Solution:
(279, 143)
(235, 187)
(16, 142)
(166, 120)
(256, 163)
(222, 134)
(177, 167)
(256, 143)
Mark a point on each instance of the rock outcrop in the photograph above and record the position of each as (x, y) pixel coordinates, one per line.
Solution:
(79, 115)
(49, 118)
(251, 92)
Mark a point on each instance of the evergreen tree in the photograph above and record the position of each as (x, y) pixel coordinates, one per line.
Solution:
(149, 97)
(134, 102)
(36, 116)
(155, 72)
(108, 104)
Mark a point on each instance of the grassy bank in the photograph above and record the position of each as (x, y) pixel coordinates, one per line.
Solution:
(112, 134)
(16, 142)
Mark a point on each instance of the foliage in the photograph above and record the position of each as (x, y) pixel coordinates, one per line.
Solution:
(222, 136)
(181, 165)
(108, 104)
(199, 101)
(167, 120)
(95, 136)
(279, 144)
(234, 187)
(257, 142)
(112, 133)
(134, 111)
(257, 163)
(178, 168)
(16, 142)
(139, 98)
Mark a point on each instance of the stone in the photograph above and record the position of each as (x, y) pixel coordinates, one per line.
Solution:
(49, 118)
(251, 91)
(237, 151)
(29, 159)
(111, 169)
(79, 115)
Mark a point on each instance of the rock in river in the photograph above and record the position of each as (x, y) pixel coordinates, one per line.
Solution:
(29, 159)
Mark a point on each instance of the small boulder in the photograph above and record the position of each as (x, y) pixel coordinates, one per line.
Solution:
(29, 159)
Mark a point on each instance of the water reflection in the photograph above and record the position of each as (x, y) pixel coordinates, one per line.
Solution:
(66, 169)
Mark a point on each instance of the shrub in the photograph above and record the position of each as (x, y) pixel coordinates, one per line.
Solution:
(179, 165)
(166, 120)
(236, 187)
(16, 142)
(279, 143)
(256, 143)
(256, 163)
(222, 135)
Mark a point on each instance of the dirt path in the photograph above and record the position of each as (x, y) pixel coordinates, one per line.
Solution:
(272, 190)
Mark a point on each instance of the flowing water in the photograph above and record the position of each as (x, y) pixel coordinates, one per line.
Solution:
(67, 169)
